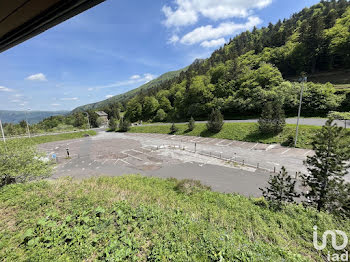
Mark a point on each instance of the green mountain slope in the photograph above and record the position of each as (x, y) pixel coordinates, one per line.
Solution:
(254, 67)
(33, 117)
(125, 96)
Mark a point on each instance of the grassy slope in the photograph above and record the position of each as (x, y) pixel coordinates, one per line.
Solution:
(238, 131)
(138, 218)
(52, 138)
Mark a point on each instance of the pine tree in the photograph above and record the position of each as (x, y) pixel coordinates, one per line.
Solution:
(281, 189)
(113, 125)
(327, 167)
(173, 129)
(272, 119)
(124, 125)
(191, 124)
(216, 121)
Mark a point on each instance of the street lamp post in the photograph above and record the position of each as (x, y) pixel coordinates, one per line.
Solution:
(28, 130)
(2, 132)
(303, 80)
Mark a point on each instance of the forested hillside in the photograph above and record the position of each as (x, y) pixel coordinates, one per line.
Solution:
(124, 97)
(252, 69)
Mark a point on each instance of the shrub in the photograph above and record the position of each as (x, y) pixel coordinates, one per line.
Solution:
(124, 125)
(216, 121)
(190, 186)
(173, 129)
(21, 162)
(113, 124)
(191, 124)
(161, 115)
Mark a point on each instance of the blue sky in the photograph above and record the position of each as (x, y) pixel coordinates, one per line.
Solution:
(120, 45)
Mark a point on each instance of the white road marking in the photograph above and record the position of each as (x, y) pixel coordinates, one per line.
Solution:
(273, 163)
(132, 156)
(126, 162)
(307, 152)
(270, 147)
(230, 143)
(285, 151)
(254, 146)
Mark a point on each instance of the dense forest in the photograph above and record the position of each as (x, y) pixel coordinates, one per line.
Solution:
(251, 69)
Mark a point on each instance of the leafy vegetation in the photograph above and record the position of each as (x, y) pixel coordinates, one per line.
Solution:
(136, 218)
(21, 162)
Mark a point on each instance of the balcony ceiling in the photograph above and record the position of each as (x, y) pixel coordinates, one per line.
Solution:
(23, 19)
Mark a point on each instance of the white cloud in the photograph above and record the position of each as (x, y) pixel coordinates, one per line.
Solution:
(90, 89)
(5, 89)
(15, 101)
(145, 78)
(214, 42)
(208, 32)
(187, 12)
(37, 77)
(69, 99)
(135, 77)
(109, 96)
(55, 104)
(18, 95)
(174, 39)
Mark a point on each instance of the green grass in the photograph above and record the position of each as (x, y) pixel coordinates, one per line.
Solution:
(136, 218)
(52, 138)
(238, 131)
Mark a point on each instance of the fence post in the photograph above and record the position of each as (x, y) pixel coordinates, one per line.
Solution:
(274, 169)
(243, 161)
(257, 166)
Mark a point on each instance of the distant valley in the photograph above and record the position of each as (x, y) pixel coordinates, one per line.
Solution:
(33, 117)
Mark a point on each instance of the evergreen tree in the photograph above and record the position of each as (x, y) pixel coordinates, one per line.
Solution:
(281, 189)
(216, 121)
(173, 129)
(124, 125)
(327, 167)
(113, 125)
(191, 124)
(272, 119)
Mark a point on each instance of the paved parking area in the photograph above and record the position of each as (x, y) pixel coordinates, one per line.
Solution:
(225, 165)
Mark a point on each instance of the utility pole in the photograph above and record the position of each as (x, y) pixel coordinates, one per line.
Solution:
(88, 119)
(2, 132)
(28, 131)
(303, 80)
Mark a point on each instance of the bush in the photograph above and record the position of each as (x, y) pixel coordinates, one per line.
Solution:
(161, 115)
(113, 124)
(21, 162)
(216, 121)
(191, 124)
(173, 129)
(190, 186)
(124, 125)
